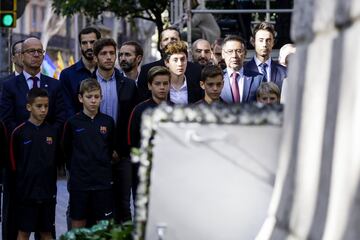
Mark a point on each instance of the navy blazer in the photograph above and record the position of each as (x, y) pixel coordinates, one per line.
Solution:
(278, 72)
(4, 79)
(192, 73)
(127, 99)
(70, 79)
(252, 81)
(13, 102)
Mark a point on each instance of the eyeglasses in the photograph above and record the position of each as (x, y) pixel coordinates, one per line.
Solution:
(32, 51)
(237, 51)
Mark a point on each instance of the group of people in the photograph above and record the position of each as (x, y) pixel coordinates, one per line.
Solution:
(90, 118)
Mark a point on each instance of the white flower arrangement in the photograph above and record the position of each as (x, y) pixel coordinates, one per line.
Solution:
(254, 114)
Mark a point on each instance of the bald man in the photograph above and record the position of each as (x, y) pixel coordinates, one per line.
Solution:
(13, 100)
(201, 52)
(13, 112)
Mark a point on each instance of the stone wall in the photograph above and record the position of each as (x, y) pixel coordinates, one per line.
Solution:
(317, 192)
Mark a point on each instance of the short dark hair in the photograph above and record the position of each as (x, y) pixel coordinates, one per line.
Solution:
(103, 42)
(171, 29)
(211, 71)
(174, 48)
(156, 71)
(88, 85)
(34, 93)
(88, 30)
(264, 26)
(138, 49)
(268, 88)
(14, 45)
(234, 38)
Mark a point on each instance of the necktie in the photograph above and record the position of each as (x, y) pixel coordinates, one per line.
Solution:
(35, 81)
(263, 67)
(235, 87)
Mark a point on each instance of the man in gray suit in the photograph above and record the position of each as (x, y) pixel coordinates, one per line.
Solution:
(240, 85)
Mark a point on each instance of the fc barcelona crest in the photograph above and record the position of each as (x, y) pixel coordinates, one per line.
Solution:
(103, 129)
(49, 140)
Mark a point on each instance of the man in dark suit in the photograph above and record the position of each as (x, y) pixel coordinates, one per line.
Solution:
(13, 101)
(193, 70)
(263, 39)
(16, 60)
(72, 76)
(118, 100)
(13, 108)
(240, 85)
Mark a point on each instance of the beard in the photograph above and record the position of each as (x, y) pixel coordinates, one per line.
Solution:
(105, 67)
(88, 54)
(203, 61)
(126, 66)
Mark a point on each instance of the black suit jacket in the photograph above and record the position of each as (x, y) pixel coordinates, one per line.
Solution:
(127, 98)
(192, 73)
(278, 72)
(13, 101)
(4, 79)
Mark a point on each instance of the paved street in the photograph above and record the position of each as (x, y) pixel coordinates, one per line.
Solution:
(62, 201)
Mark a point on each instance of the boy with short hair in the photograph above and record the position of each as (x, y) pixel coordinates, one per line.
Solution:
(212, 82)
(268, 93)
(33, 151)
(159, 85)
(88, 143)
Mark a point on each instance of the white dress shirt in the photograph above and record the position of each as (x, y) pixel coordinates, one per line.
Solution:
(30, 81)
(179, 96)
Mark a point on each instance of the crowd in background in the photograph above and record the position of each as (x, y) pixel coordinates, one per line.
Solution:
(89, 119)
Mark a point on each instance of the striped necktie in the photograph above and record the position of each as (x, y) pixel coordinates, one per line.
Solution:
(263, 67)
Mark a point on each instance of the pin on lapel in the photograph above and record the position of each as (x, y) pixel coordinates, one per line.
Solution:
(46, 85)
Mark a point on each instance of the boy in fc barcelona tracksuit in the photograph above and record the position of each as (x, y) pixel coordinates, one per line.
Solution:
(88, 143)
(33, 151)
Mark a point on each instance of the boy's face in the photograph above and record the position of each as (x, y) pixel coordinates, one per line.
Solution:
(177, 63)
(38, 109)
(268, 98)
(160, 87)
(91, 100)
(213, 86)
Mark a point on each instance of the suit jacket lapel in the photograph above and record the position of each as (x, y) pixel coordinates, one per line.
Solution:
(273, 72)
(22, 84)
(247, 87)
(119, 83)
(253, 67)
(44, 83)
(226, 92)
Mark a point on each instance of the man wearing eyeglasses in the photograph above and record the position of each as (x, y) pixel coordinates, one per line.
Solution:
(13, 100)
(240, 85)
(13, 110)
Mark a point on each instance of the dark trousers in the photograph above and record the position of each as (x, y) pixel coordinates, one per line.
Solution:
(9, 221)
(122, 173)
(9, 224)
